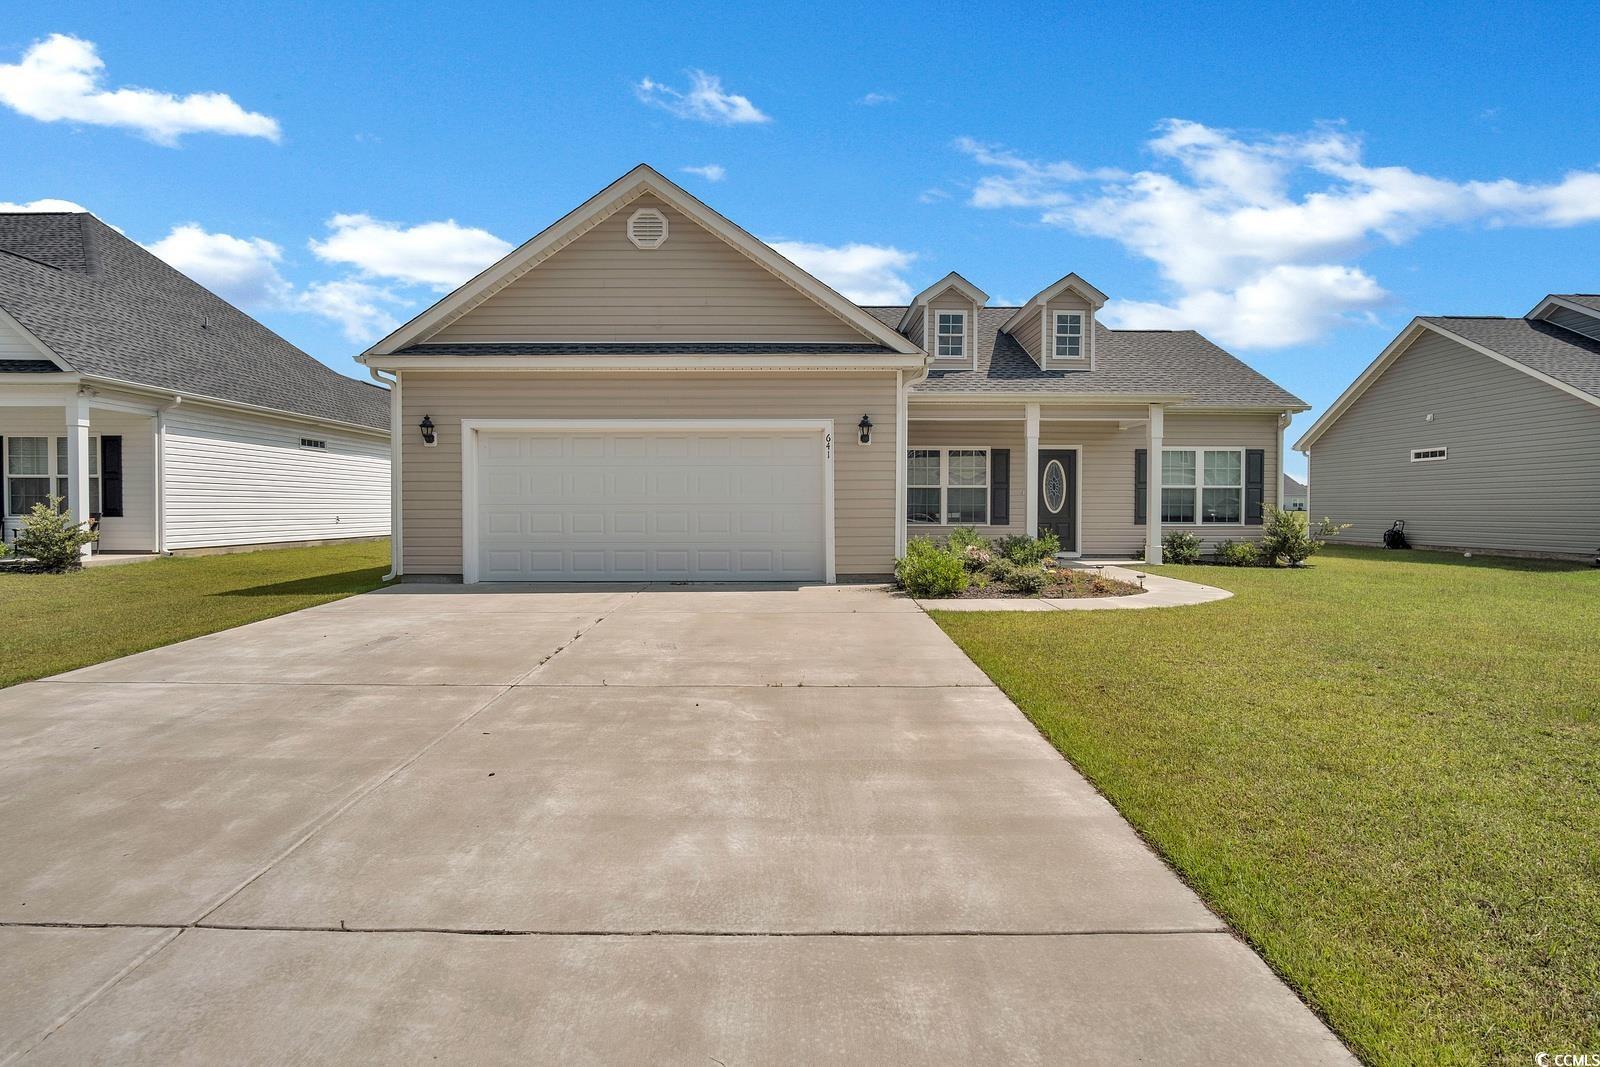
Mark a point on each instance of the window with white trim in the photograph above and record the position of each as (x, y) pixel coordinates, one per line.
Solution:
(1427, 455)
(35, 471)
(1202, 486)
(948, 486)
(1069, 335)
(950, 342)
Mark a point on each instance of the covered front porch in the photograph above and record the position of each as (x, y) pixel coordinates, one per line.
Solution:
(1085, 471)
(96, 453)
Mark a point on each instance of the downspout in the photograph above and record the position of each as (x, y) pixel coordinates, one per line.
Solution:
(161, 473)
(394, 469)
(902, 419)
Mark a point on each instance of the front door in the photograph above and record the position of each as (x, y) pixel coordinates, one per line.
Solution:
(1058, 495)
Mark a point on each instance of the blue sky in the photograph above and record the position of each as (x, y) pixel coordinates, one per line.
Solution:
(1295, 181)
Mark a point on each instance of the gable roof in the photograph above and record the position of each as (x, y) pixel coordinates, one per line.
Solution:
(1292, 485)
(1558, 357)
(1071, 281)
(1140, 362)
(105, 307)
(637, 182)
(1591, 301)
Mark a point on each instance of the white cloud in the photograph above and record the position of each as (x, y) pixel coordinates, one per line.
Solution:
(46, 204)
(59, 79)
(874, 99)
(1258, 234)
(711, 172)
(1286, 305)
(438, 254)
(360, 308)
(705, 101)
(867, 274)
(241, 270)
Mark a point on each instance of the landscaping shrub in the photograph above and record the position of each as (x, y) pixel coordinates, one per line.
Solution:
(1023, 550)
(1288, 539)
(1025, 578)
(52, 539)
(1180, 546)
(927, 570)
(963, 537)
(1237, 553)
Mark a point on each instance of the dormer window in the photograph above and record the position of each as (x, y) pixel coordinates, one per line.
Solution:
(951, 339)
(1069, 335)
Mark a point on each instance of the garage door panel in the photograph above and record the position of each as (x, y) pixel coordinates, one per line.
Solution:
(624, 506)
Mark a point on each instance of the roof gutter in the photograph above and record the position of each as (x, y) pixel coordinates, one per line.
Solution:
(644, 364)
(197, 398)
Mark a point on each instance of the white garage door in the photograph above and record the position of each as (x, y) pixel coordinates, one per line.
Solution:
(623, 505)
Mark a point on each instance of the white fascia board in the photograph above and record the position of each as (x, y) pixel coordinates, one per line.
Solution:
(233, 405)
(952, 281)
(1552, 302)
(667, 364)
(1072, 281)
(1052, 398)
(630, 186)
(1393, 352)
(44, 350)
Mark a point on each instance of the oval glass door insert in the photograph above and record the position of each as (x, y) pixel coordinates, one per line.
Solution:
(1055, 486)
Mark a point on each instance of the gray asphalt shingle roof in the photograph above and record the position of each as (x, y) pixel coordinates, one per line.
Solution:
(110, 309)
(1126, 361)
(1542, 346)
(1588, 300)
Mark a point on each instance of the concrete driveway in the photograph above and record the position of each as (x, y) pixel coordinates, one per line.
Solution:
(701, 825)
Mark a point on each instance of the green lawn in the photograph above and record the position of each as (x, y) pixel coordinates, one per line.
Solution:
(56, 622)
(1383, 770)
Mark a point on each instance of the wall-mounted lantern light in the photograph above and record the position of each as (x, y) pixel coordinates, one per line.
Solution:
(429, 437)
(865, 426)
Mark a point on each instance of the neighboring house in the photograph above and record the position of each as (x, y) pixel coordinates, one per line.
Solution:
(142, 398)
(1480, 433)
(644, 390)
(1296, 494)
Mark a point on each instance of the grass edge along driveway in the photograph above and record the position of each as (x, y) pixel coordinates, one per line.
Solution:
(59, 622)
(1383, 771)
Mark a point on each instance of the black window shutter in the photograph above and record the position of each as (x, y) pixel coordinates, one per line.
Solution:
(999, 486)
(111, 477)
(1141, 484)
(1255, 478)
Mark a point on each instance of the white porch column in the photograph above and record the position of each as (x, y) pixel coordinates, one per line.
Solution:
(1030, 505)
(78, 460)
(1152, 482)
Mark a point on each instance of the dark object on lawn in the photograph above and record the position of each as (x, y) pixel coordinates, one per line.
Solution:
(1395, 536)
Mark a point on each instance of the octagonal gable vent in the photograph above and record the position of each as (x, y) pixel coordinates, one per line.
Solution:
(647, 228)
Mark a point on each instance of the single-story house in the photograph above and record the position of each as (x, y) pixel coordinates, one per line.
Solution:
(1296, 494)
(646, 391)
(152, 405)
(1478, 432)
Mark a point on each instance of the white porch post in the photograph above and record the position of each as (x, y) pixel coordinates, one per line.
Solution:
(1030, 497)
(1152, 482)
(78, 460)
(902, 423)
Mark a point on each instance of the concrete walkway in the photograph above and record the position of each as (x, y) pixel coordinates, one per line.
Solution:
(625, 824)
(1160, 592)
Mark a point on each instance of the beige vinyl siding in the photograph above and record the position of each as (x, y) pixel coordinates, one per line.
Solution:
(1108, 526)
(1027, 335)
(693, 288)
(951, 300)
(1106, 474)
(1576, 321)
(1068, 301)
(914, 327)
(15, 346)
(864, 496)
(1010, 434)
(1523, 466)
(243, 480)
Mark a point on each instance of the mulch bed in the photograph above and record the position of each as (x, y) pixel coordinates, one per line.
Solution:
(1065, 584)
